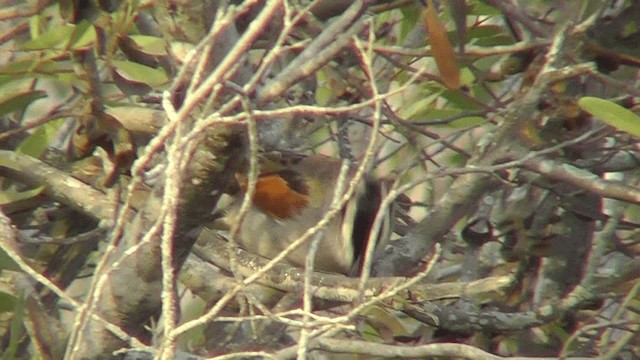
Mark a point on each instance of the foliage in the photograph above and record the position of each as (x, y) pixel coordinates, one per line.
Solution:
(510, 135)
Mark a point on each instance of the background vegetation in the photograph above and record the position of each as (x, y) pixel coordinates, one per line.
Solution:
(511, 126)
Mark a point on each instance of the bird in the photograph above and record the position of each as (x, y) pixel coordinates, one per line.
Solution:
(293, 192)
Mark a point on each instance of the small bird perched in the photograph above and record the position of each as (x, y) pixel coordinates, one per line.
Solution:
(292, 194)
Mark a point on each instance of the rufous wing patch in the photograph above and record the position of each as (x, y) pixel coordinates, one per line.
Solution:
(280, 194)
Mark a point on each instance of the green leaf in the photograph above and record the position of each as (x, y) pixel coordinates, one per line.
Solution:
(84, 34)
(323, 95)
(612, 114)
(467, 77)
(424, 103)
(18, 67)
(467, 122)
(494, 41)
(459, 100)
(150, 44)
(11, 195)
(482, 31)
(489, 35)
(49, 39)
(7, 302)
(435, 114)
(7, 263)
(20, 101)
(34, 26)
(140, 73)
(30, 68)
(36, 143)
(410, 16)
(480, 8)
(17, 331)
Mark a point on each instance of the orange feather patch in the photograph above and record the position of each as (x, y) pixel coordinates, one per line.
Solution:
(275, 196)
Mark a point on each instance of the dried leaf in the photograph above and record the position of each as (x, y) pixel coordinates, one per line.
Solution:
(441, 47)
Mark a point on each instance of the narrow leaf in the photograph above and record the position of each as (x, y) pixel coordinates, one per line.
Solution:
(20, 101)
(7, 302)
(11, 195)
(441, 47)
(50, 39)
(140, 73)
(612, 114)
(150, 44)
(7, 263)
(37, 142)
(84, 34)
(458, 11)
